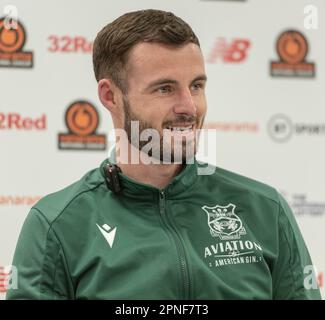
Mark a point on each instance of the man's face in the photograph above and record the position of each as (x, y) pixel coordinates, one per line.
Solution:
(166, 93)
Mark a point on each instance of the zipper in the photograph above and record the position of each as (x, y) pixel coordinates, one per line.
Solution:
(179, 245)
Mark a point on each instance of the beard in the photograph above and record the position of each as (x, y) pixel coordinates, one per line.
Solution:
(167, 148)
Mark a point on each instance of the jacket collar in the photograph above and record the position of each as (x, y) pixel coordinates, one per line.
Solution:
(132, 188)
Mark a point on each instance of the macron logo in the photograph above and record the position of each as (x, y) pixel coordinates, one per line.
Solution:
(108, 233)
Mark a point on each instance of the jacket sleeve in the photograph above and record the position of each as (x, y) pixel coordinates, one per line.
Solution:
(293, 265)
(40, 262)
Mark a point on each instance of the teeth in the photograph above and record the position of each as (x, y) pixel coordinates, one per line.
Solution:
(180, 128)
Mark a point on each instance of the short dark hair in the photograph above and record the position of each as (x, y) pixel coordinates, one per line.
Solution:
(115, 40)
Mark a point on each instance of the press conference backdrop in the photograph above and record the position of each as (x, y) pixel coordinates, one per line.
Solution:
(265, 62)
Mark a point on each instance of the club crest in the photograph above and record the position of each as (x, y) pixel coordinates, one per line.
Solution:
(223, 222)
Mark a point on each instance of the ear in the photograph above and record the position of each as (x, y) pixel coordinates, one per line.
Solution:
(109, 94)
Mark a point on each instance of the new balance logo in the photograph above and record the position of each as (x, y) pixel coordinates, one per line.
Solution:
(108, 233)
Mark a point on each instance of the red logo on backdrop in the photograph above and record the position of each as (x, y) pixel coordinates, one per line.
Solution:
(320, 279)
(292, 49)
(13, 120)
(82, 121)
(241, 127)
(3, 280)
(229, 52)
(18, 200)
(8, 278)
(67, 44)
(12, 41)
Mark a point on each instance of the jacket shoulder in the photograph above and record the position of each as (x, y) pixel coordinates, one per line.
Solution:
(54, 204)
(244, 184)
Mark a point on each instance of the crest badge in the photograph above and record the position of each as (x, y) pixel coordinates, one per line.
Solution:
(223, 222)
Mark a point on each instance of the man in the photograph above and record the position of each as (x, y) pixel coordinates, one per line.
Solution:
(140, 227)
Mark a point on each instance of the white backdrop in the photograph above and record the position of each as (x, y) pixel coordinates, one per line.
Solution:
(238, 40)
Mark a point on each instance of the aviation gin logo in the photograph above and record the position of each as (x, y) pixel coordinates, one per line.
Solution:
(225, 225)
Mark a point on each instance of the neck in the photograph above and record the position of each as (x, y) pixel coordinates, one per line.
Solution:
(141, 170)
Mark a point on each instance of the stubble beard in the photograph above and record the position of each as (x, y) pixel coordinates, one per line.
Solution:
(166, 150)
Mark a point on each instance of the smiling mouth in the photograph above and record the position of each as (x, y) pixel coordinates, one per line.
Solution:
(181, 128)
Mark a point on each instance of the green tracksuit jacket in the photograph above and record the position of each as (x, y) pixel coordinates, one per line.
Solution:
(219, 236)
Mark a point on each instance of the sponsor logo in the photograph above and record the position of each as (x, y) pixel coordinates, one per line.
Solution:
(67, 44)
(233, 252)
(108, 233)
(18, 200)
(292, 49)
(241, 127)
(320, 280)
(82, 121)
(13, 120)
(281, 128)
(234, 51)
(12, 41)
(301, 206)
(226, 225)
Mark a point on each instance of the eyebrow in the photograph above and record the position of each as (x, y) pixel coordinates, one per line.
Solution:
(161, 81)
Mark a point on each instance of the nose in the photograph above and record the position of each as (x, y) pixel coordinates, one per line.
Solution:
(185, 103)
